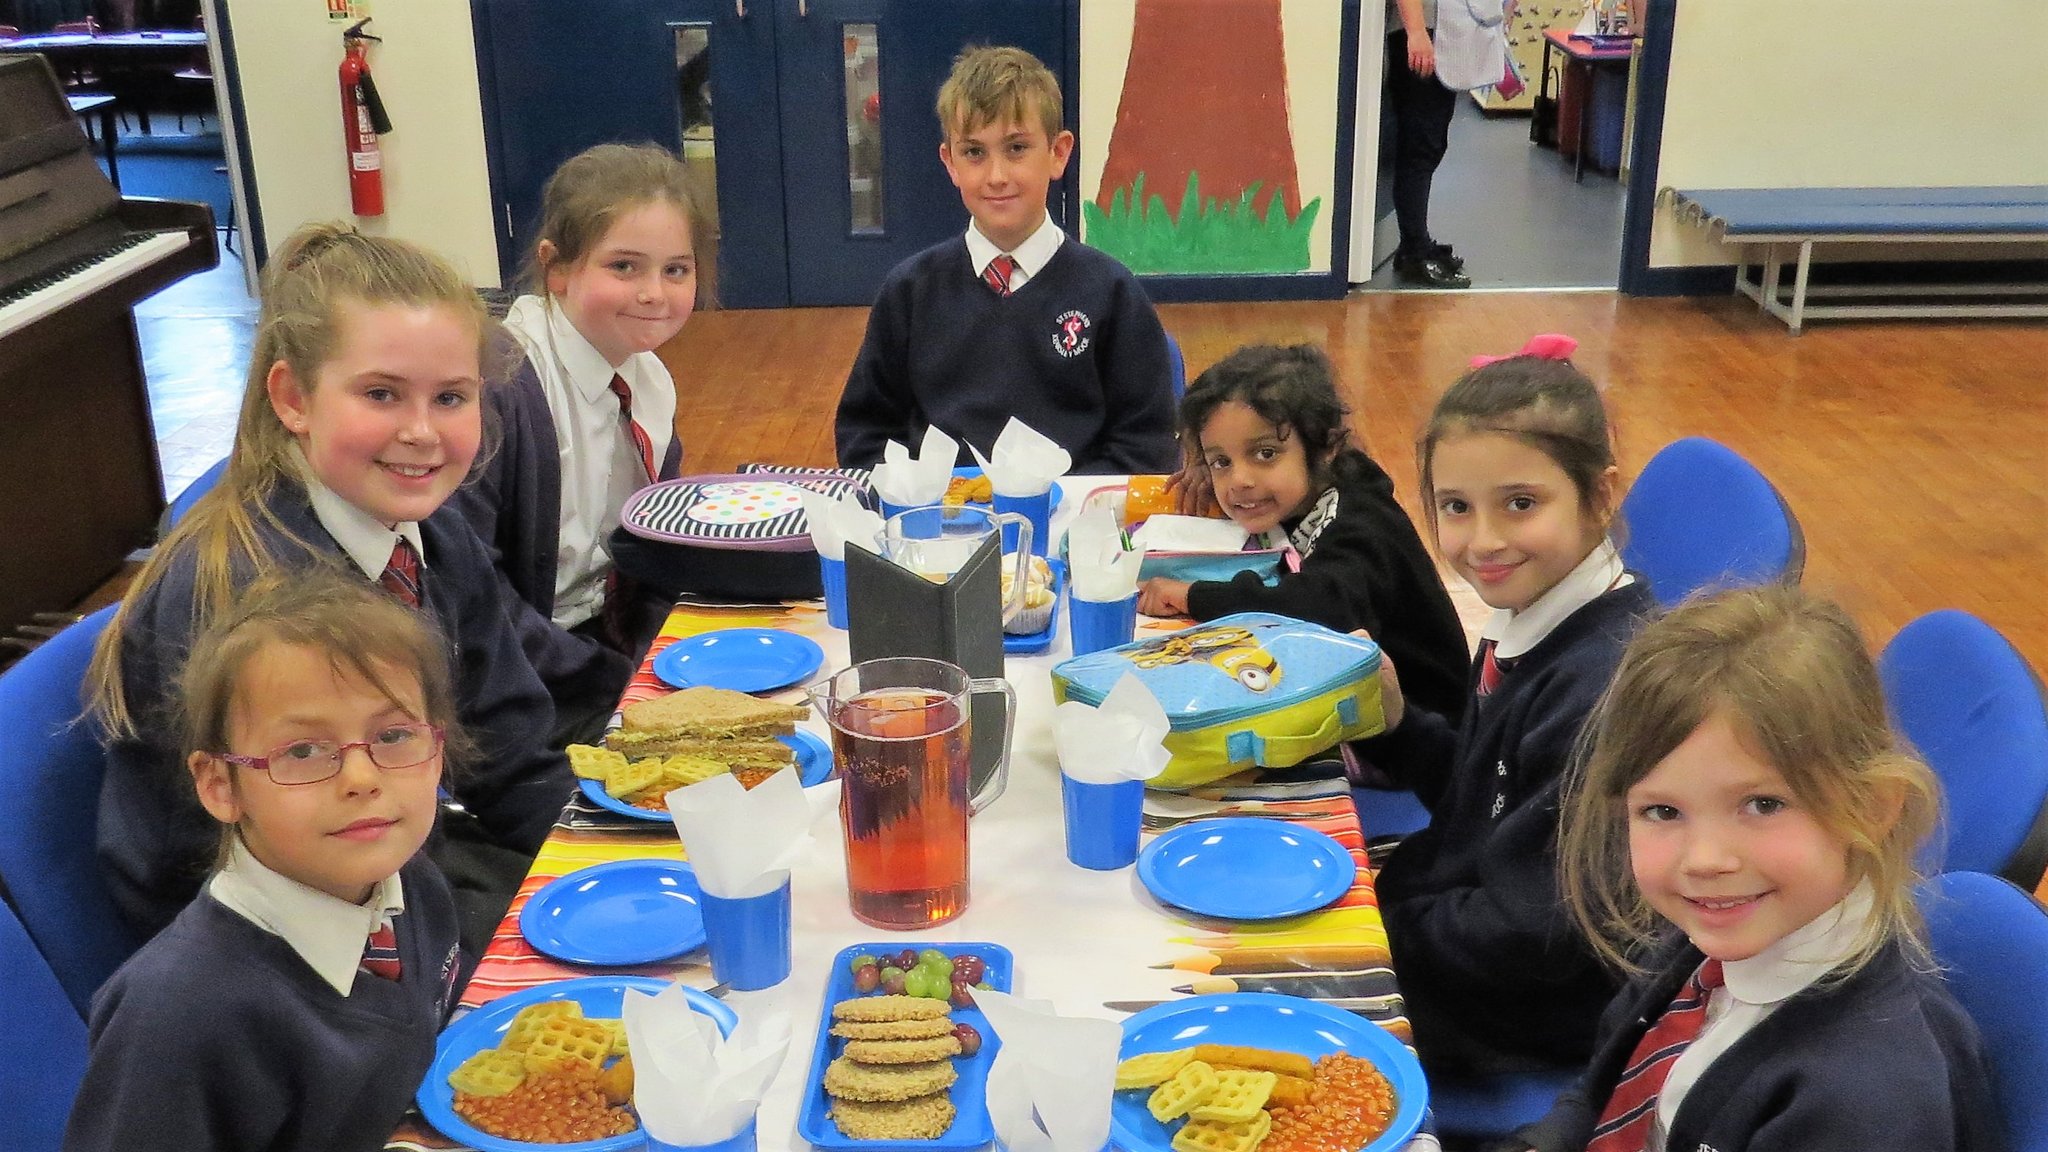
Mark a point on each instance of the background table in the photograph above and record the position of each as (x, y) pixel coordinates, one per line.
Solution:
(1593, 55)
(1093, 943)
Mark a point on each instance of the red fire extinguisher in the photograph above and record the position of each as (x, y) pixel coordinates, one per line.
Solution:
(362, 121)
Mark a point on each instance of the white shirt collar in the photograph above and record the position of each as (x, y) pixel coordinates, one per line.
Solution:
(588, 371)
(1803, 955)
(1514, 633)
(1032, 255)
(327, 933)
(366, 541)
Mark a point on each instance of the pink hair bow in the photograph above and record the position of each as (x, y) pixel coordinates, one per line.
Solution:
(1548, 346)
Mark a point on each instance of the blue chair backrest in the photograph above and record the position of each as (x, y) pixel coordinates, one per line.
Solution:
(199, 487)
(43, 1058)
(1180, 367)
(1700, 516)
(49, 796)
(1992, 942)
(1970, 705)
(1483, 1108)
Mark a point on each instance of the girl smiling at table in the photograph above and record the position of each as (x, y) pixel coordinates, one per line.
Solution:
(295, 1003)
(589, 418)
(359, 419)
(1520, 485)
(1264, 429)
(1741, 840)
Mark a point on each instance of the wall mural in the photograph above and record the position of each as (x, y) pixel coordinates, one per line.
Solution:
(1220, 158)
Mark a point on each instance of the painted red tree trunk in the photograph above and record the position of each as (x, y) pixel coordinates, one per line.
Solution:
(1205, 91)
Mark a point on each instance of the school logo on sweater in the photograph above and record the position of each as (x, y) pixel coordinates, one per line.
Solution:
(1072, 337)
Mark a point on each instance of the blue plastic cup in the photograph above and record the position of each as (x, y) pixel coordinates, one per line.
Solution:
(890, 510)
(833, 574)
(1037, 509)
(749, 939)
(745, 1141)
(1099, 624)
(1102, 822)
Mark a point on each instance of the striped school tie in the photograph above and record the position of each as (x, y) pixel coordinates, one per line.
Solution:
(640, 438)
(401, 575)
(1489, 669)
(997, 274)
(1625, 1122)
(380, 955)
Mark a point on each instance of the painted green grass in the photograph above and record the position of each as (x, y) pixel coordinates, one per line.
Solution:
(1207, 236)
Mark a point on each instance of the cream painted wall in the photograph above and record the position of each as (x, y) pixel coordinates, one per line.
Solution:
(1312, 31)
(1818, 93)
(436, 186)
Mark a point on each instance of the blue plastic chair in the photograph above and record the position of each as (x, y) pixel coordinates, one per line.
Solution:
(49, 797)
(1180, 367)
(43, 1060)
(200, 486)
(1992, 941)
(1489, 1107)
(1700, 516)
(1969, 704)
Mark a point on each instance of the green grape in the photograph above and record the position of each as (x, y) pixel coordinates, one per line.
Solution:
(861, 960)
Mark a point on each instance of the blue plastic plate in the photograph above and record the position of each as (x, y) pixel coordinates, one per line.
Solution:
(971, 472)
(1024, 644)
(483, 1028)
(624, 912)
(742, 659)
(971, 1127)
(813, 765)
(1264, 1020)
(1246, 868)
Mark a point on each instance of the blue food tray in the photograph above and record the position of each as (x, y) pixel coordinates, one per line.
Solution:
(1027, 643)
(971, 1127)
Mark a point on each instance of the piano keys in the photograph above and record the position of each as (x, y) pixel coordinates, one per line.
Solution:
(80, 486)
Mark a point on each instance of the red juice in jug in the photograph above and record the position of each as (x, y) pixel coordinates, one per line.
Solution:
(902, 756)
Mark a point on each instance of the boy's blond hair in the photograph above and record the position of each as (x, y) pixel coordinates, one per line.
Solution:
(999, 85)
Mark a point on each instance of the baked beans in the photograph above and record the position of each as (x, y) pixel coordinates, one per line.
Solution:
(1349, 1105)
(561, 1105)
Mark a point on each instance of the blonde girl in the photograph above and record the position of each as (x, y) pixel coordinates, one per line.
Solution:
(623, 258)
(1520, 488)
(1740, 840)
(294, 1003)
(361, 415)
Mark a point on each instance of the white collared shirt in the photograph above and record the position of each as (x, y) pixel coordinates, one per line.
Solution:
(328, 933)
(1031, 256)
(1514, 633)
(362, 537)
(1755, 988)
(600, 466)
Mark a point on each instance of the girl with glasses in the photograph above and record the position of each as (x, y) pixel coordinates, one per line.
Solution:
(294, 1003)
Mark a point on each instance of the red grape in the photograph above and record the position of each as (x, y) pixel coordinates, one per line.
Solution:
(969, 967)
(866, 979)
(906, 959)
(970, 1040)
(963, 994)
(892, 981)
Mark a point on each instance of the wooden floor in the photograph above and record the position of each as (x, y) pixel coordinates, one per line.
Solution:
(1914, 454)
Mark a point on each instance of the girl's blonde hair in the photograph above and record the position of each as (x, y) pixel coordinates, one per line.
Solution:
(320, 268)
(364, 634)
(1790, 673)
(593, 188)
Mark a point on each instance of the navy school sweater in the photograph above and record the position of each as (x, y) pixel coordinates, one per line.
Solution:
(1366, 568)
(155, 842)
(1883, 1059)
(1076, 353)
(218, 1036)
(513, 500)
(1490, 961)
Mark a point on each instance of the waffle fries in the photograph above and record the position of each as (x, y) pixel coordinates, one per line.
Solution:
(646, 782)
(1221, 1136)
(1150, 1069)
(1241, 1099)
(1192, 1085)
(547, 1081)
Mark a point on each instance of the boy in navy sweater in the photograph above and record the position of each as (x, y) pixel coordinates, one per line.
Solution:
(1017, 320)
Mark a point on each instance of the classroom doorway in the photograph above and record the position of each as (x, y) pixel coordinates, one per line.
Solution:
(809, 121)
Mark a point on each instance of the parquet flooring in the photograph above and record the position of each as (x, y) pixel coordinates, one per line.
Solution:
(1914, 454)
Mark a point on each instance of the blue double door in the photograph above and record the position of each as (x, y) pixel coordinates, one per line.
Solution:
(811, 119)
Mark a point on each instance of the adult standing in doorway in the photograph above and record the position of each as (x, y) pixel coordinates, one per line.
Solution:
(1422, 126)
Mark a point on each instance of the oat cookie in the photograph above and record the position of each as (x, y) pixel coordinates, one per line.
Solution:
(873, 1008)
(903, 1051)
(893, 1029)
(921, 1118)
(849, 1080)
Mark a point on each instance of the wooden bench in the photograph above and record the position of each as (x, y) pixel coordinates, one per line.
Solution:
(1778, 218)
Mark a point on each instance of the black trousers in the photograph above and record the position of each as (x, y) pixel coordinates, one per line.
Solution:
(1422, 126)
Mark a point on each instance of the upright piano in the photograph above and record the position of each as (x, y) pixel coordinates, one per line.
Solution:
(80, 486)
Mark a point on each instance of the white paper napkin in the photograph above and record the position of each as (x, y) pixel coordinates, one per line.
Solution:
(834, 522)
(741, 842)
(1050, 1086)
(912, 482)
(1024, 461)
(1168, 532)
(692, 1086)
(1102, 568)
(1123, 738)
